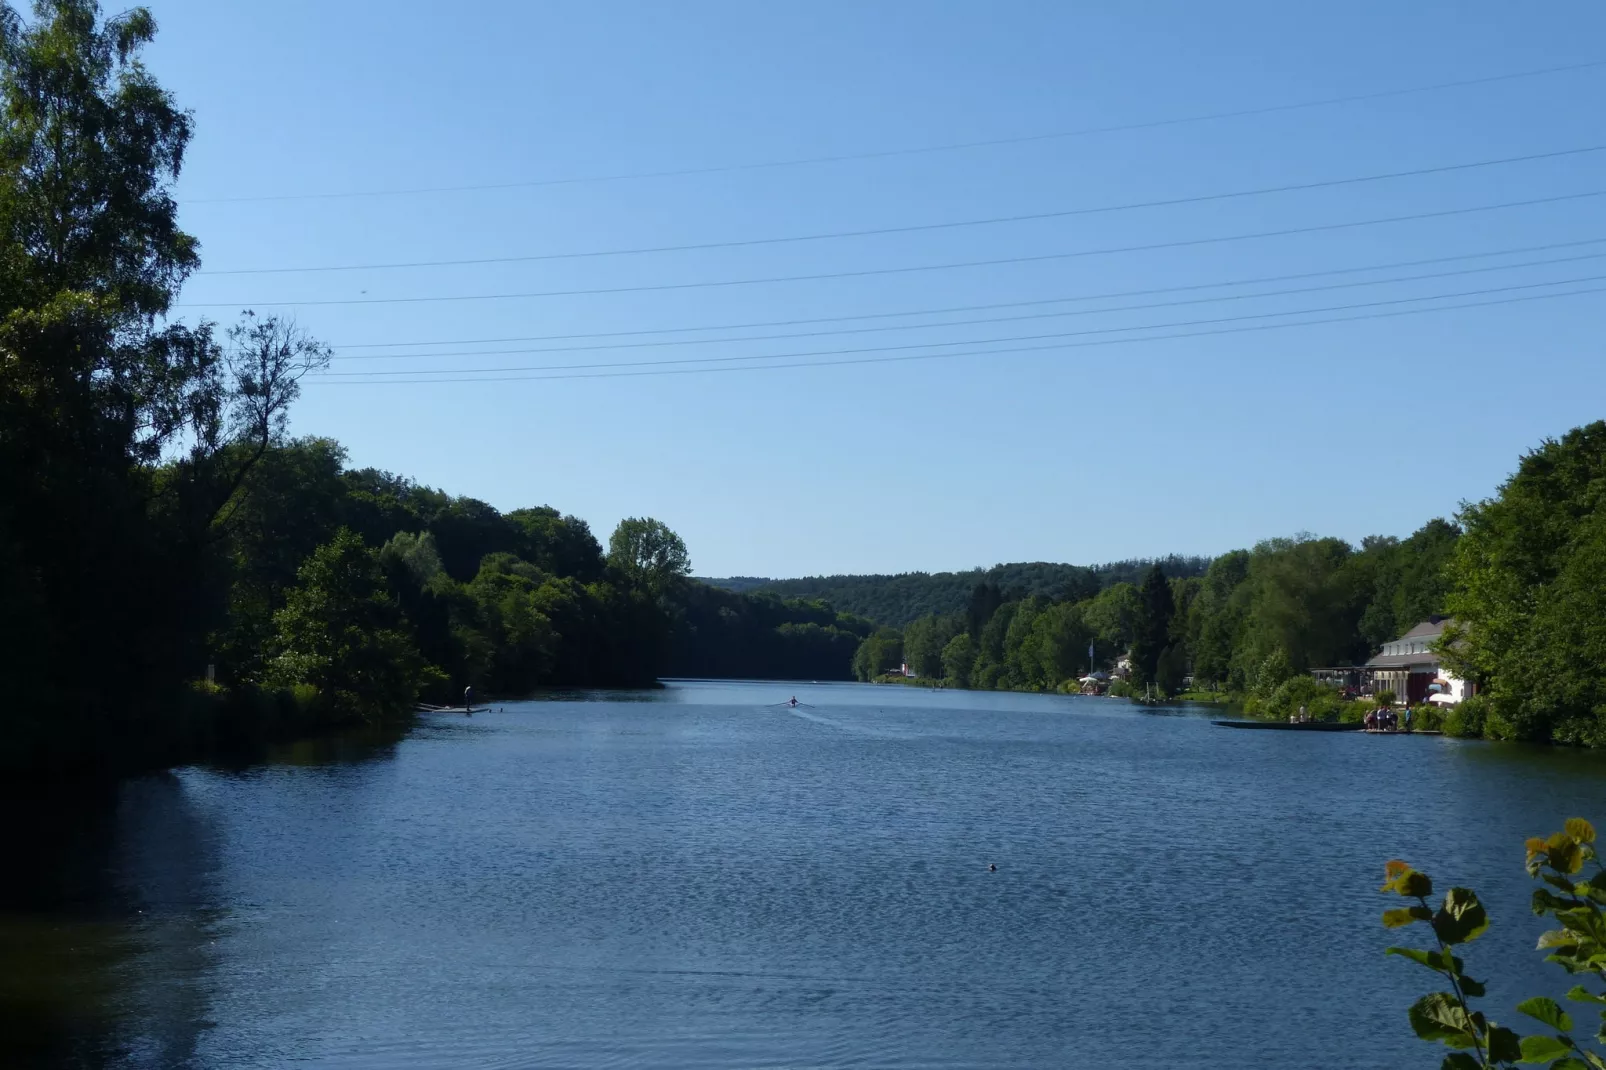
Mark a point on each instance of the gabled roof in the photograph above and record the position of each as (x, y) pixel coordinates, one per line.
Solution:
(1430, 628)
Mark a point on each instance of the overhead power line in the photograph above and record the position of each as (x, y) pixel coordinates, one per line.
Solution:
(660, 343)
(976, 341)
(868, 272)
(1153, 124)
(916, 228)
(753, 325)
(934, 356)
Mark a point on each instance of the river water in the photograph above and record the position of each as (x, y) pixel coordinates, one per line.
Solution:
(691, 878)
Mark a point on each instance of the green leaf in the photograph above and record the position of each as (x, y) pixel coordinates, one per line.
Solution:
(1471, 988)
(1580, 994)
(1542, 1049)
(1462, 917)
(1430, 959)
(1569, 1063)
(1548, 1011)
(1504, 1045)
(1556, 880)
(1404, 880)
(1557, 938)
(1580, 830)
(1460, 1060)
(1544, 901)
(1438, 1016)
(1394, 919)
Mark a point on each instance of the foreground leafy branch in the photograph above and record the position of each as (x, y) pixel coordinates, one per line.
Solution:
(1579, 946)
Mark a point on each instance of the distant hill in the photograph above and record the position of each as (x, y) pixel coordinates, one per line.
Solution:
(739, 584)
(897, 600)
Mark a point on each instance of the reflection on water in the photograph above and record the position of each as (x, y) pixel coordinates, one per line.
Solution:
(107, 892)
(109, 916)
(693, 877)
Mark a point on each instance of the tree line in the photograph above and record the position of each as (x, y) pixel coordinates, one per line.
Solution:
(1252, 620)
(1520, 575)
(176, 574)
(899, 599)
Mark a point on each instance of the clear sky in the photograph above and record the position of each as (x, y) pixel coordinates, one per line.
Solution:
(1075, 452)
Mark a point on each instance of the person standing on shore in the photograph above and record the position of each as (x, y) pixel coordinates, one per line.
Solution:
(468, 699)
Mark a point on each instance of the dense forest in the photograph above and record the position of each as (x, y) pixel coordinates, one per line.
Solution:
(176, 574)
(1522, 575)
(1299, 602)
(896, 600)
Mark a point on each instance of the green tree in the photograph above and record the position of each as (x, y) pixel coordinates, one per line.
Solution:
(990, 648)
(1270, 673)
(1113, 616)
(925, 639)
(1410, 579)
(104, 547)
(878, 654)
(467, 529)
(521, 638)
(1526, 594)
(647, 554)
(958, 658)
(1304, 599)
(562, 545)
(1061, 639)
(1171, 668)
(1152, 630)
(342, 632)
(1216, 616)
(985, 598)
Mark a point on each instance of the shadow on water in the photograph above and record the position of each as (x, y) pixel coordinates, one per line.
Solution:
(107, 888)
(354, 746)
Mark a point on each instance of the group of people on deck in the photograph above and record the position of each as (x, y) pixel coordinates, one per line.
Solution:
(1384, 719)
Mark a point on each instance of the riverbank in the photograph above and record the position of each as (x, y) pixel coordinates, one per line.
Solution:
(201, 723)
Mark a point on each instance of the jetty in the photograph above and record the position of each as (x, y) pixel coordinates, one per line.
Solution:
(1295, 726)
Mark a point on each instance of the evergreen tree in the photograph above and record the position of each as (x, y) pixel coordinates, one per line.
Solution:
(1153, 632)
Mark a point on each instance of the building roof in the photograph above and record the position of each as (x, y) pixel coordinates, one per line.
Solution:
(1430, 628)
(1401, 661)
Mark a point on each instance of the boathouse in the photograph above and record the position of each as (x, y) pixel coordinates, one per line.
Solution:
(1407, 666)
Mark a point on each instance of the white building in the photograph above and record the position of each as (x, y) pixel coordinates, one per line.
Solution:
(1409, 667)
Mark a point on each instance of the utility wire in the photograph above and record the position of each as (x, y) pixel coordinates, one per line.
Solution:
(916, 228)
(934, 356)
(753, 325)
(972, 322)
(867, 272)
(977, 341)
(1152, 124)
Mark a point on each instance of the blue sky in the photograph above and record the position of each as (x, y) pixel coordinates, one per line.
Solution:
(1079, 453)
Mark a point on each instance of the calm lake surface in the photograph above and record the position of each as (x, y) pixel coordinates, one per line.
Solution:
(684, 878)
